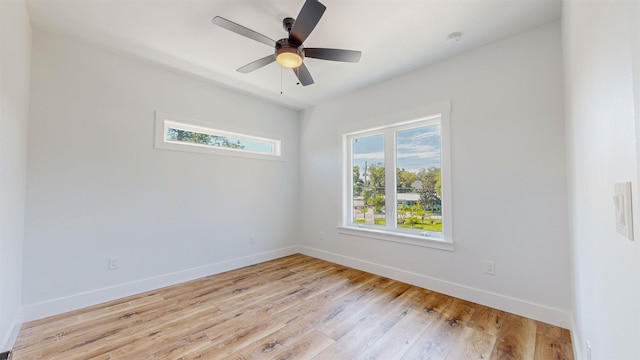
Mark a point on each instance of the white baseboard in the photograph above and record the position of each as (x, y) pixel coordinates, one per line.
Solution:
(575, 340)
(517, 306)
(78, 301)
(520, 307)
(12, 334)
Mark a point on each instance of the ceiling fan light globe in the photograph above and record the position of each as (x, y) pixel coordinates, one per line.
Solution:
(289, 59)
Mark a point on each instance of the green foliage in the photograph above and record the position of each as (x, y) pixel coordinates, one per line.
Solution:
(403, 211)
(404, 180)
(370, 184)
(376, 179)
(430, 193)
(412, 221)
(416, 217)
(438, 184)
(429, 224)
(382, 221)
(358, 183)
(204, 139)
(417, 208)
(433, 228)
(377, 202)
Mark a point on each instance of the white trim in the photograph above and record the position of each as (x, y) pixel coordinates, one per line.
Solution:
(397, 236)
(388, 125)
(12, 335)
(520, 307)
(78, 301)
(170, 124)
(575, 340)
(163, 120)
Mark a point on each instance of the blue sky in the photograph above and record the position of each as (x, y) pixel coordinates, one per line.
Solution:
(255, 146)
(417, 148)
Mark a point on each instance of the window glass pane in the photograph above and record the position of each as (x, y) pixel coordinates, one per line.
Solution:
(193, 137)
(418, 191)
(368, 180)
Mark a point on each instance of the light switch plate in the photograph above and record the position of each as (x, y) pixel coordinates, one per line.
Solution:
(622, 204)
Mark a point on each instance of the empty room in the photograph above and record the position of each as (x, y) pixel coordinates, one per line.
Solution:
(303, 179)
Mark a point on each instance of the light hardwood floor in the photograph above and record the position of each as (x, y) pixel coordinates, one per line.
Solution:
(296, 307)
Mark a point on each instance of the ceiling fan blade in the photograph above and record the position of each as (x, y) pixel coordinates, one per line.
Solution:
(306, 21)
(303, 75)
(333, 54)
(241, 30)
(255, 65)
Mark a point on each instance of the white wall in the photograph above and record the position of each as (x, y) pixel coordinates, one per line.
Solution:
(97, 187)
(509, 190)
(15, 60)
(599, 50)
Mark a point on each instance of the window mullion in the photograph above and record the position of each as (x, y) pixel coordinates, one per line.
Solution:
(349, 217)
(390, 178)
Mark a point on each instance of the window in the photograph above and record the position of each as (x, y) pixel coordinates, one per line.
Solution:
(397, 182)
(190, 135)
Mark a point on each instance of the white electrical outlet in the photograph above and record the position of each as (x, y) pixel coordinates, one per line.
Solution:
(489, 267)
(588, 350)
(252, 239)
(114, 262)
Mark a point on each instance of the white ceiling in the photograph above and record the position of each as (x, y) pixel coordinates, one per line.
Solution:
(394, 36)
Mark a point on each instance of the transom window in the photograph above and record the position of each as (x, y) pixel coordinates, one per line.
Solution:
(394, 180)
(191, 135)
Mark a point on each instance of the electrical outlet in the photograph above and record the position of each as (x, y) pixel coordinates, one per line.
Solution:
(252, 239)
(114, 262)
(588, 350)
(489, 267)
(321, 236)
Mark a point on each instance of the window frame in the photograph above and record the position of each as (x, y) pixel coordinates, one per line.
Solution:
(165, 121)
(389, 125)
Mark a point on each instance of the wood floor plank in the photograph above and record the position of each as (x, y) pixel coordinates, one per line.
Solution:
(516, 339)
(355, 313)
(309, 312)
(201, 290)
(551, 348)
(487, 320)
(472, 344)
(306, 348)
(397, 341)
(434, 302)
(313, 313)
(372, 324)
(553, 331)
(295, 307)
(438, 339)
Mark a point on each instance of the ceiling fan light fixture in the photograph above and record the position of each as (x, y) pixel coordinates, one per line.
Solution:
(289, 58)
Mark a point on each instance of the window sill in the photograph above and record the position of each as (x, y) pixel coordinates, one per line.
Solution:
(397, 237)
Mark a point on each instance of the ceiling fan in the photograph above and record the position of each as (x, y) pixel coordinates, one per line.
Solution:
(289, 52)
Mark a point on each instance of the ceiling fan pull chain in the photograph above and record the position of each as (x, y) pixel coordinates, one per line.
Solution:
(281, 80)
